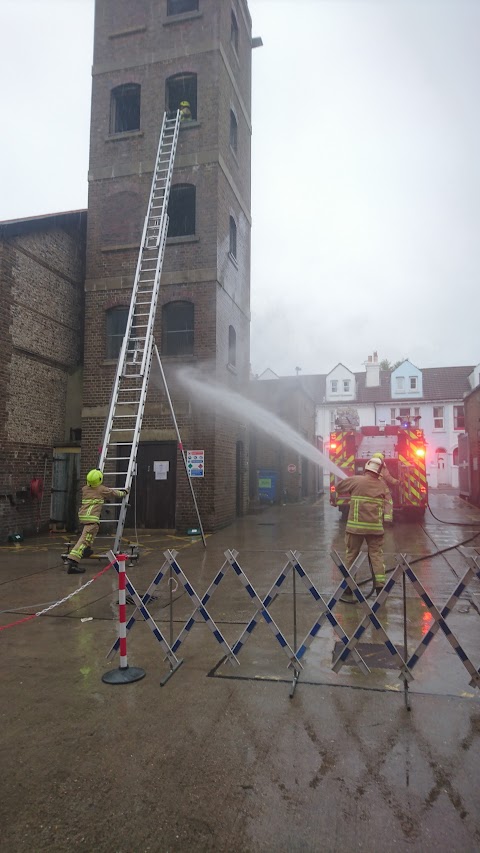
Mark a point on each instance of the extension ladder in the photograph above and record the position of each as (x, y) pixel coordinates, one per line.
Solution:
(124, 420)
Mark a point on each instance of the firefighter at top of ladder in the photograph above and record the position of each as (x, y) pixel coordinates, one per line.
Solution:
(389, 481)
(367, 492)
(93, 498)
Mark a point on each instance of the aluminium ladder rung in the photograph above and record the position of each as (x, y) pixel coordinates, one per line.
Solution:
(133, 369)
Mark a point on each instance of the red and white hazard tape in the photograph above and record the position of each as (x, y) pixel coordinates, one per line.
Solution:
(57, 603)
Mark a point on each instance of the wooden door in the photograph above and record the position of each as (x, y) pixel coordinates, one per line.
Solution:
(153, 491)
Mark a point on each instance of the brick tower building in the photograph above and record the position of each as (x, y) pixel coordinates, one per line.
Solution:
(149, 56)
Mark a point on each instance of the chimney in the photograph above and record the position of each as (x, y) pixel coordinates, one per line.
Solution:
(373, 371)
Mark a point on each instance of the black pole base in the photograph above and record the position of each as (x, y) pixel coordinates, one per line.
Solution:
(123, 676)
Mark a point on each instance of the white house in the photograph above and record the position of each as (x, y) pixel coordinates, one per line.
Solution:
(431, 395)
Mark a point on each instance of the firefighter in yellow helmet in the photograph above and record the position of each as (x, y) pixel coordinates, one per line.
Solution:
(389, 481)
(367, 492)
(94, 495)
(185, 112)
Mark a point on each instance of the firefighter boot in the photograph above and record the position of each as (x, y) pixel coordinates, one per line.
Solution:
(74, 568)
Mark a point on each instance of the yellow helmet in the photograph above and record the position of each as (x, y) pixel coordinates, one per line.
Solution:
(378, 455)
(94, 477)
(184, 104)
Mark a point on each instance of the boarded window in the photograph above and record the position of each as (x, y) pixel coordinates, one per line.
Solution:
(232, 346)
(182, 88)
(177, 7)
(233, 131)
(125, 108)
(181, 210)
(116, 325)
(177, 328)
(233, 238)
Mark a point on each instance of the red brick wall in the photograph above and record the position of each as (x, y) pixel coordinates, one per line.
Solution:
(138, 43)
(472, 428)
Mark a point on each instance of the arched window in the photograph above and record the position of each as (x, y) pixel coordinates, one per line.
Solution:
(176, 7)
(234, 31)
(181, 210)
(233, 238)
(233, 131)
(125, 108)
(177, 328)
(232, 346)
(116, 319)
(455, 456)
(182, 87)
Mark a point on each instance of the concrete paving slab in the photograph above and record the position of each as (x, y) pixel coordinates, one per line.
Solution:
(230, 762)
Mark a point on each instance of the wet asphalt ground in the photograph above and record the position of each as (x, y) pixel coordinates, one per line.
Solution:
(221, 758)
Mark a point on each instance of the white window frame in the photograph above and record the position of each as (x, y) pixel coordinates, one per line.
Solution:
(393, 417)
(438, 418)
(455, 418)
(400, 383)
(413, 383)
(334, 386)
(346, 386)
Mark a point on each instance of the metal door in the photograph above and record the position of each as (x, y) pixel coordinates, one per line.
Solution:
(153, 494)
(463, 466)
(65, 487)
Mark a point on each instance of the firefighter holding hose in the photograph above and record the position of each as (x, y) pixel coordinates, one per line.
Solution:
(368, 493)
(94, 495)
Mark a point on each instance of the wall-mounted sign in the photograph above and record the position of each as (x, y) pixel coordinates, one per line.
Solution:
(196, 463)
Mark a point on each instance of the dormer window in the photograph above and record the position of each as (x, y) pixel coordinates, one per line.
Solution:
(413, 383)
(346, 386)
(334, 386)
(400, 381)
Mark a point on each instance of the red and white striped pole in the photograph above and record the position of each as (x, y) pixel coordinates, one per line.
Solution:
(125, 674)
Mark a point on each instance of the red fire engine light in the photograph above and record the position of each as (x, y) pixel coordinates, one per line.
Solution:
(423, 489)
(420, 451)
(333, 445)
(332, 488)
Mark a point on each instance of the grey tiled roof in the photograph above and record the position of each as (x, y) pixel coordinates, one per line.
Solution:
(439, 383)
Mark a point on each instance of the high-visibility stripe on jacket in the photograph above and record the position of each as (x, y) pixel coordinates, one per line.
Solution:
(93, 498)
(367, 497)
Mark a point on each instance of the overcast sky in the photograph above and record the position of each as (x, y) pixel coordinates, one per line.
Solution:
(365, 168)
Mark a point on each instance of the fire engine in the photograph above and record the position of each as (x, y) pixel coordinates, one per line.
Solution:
(404, 451)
